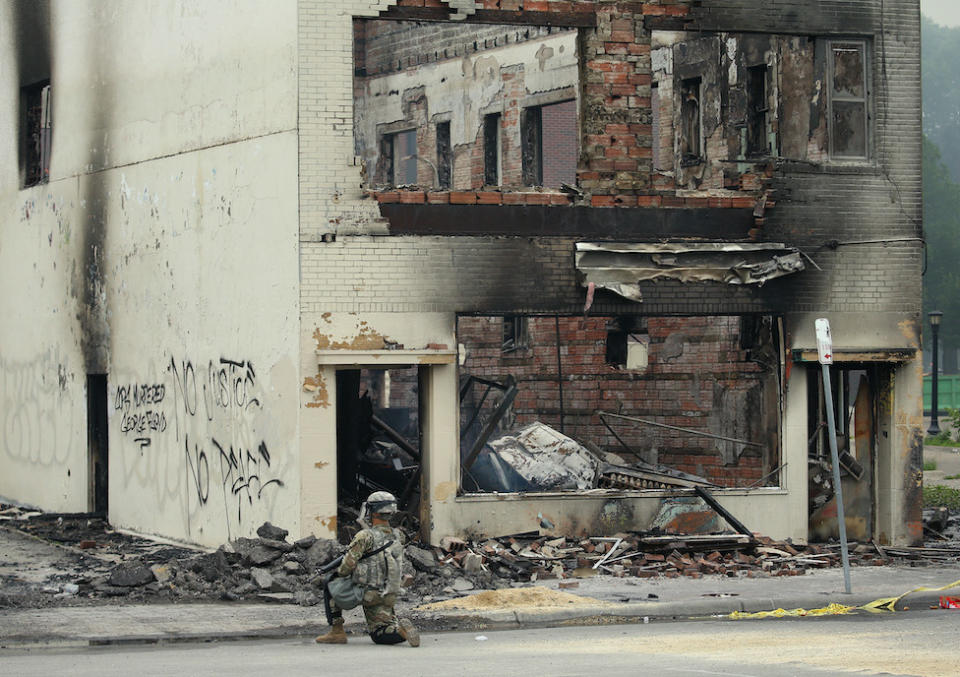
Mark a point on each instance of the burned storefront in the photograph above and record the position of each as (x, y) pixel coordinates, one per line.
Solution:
(623, 222)
(531, 265)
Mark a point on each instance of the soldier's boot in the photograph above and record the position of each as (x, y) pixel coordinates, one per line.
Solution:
(336, 634)
(407, 630)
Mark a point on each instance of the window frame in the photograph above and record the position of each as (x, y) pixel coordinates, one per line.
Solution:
(36, 140)
(444, 175)
(492, 160)
(697, 158)
(866, 99)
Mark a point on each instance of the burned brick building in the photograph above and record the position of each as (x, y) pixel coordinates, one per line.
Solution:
(532, 265)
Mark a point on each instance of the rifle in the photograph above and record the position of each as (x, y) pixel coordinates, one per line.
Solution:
(336, 561)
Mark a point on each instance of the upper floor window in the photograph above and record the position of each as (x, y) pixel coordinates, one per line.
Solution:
(491, 149)
(37, 133)
(444, 156)
(691, 123)
(849, 99)
(757, 143)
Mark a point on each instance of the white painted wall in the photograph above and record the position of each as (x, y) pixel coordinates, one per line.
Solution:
(174, 127)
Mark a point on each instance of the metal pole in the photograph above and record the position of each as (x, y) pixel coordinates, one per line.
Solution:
(837, 487)
(934, 428)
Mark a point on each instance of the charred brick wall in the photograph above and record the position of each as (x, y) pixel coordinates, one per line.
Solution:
(699, 377)
(859, 223)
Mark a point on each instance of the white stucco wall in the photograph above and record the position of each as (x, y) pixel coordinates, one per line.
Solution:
(174, 175)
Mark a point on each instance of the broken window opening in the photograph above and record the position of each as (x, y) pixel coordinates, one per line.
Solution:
(514, 333)
(685, 404)
(37, 133)
(854, 393)
(444, 156)
(491, 149)
(691, 123)
(627, 344)
(848, 96)
(404, 158)
(531, 132)
(757, 108)
(378, 442)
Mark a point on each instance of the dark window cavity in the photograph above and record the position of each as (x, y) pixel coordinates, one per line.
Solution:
(491, 149)
(444, 156)
(848, 99)
(531, 132)
(690, 122)
(514, 333)
(37, 133)
(757, 108)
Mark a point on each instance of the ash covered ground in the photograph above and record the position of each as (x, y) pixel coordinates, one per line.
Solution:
(68, 560)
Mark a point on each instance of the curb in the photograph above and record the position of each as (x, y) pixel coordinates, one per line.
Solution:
(500, 619)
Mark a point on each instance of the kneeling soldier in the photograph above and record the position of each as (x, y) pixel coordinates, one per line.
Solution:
(374, 562)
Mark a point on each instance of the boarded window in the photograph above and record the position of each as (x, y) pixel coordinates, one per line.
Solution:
(849, 97)
(444, 155)
(690, 122)
(491, 149)
(37, 133)
(757, 107)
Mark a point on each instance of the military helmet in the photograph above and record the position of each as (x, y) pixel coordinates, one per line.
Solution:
(382, 502)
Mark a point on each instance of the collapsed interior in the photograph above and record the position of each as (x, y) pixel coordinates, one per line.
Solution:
(378, 442)
(553, 403)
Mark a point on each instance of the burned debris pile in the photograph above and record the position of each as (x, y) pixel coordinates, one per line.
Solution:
(108, 564)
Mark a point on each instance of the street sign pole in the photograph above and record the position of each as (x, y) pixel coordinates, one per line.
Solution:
(825, 354)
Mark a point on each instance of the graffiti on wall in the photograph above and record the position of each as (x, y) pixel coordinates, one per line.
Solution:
(202, 420)
(140, 409)
(39, 416)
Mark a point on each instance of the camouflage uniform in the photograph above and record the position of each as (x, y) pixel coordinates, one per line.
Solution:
(379, 576)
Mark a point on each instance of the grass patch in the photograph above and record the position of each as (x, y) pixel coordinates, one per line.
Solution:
(937, 496)
(952, 477)
(929, 465)
(941, 440)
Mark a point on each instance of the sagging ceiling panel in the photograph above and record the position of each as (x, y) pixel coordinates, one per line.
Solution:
(620, 267)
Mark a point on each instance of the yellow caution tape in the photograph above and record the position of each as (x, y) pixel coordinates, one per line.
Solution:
(829, 610)
(877, 605)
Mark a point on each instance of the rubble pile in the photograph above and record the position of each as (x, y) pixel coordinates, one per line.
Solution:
(532, 558)
(105, 563)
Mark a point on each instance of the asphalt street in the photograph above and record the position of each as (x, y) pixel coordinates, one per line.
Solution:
(911, 643)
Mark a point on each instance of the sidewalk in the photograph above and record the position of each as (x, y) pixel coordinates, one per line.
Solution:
(625, 600)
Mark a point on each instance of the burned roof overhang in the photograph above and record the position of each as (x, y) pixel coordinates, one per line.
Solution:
(622, 223)
(494, 16)
(620, 267)
(857, 355)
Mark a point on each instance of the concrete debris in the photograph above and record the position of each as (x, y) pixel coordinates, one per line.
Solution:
(131, 573)
(262, 578)
(150, 571)
(268, 532)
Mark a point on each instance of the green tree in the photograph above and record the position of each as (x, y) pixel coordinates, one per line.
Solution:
(940, 78)
(941, 224)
